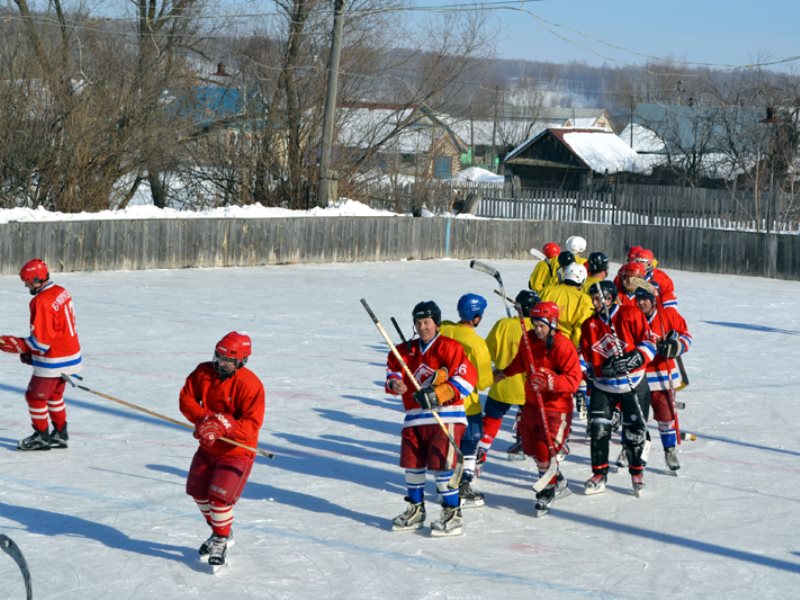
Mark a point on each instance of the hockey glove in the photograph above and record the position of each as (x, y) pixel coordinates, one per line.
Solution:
(25, 358)
(439, 377)
(212, 427)
(431, 397)
(13, 345)
(670, 346)
(544, 380)
(625, 363)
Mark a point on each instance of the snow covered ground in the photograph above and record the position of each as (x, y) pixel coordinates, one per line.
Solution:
(109, 518)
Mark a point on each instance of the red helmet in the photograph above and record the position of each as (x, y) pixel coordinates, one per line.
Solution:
(34, 271)
(645, 256)
(551, 249)
(633, 269)
(234, 346)
(632, 252)
(547, 312)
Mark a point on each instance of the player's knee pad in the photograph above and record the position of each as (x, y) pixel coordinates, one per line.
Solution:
(634, 436)
(600, 428)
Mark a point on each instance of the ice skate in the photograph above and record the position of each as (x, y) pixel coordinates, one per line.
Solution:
(543, 501)
(671, 458)
(39, 440)
(637, 482)
(413, 518)
(470, 497)
(515, 451)
(562, 487)
(205, 547)
(449, 523)
(217, 551)
(596, 484)
(59, 437)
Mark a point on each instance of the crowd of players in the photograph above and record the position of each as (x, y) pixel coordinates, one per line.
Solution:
(607, 350)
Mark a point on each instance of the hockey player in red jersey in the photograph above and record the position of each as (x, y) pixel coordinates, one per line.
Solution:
(616, 344)
(446, 376)
(672, 339)
(53, 349)
(558, 374)
(625, 282)
(222, 398)
(657, 277)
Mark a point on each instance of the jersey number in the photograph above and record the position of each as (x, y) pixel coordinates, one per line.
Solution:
(71, 318)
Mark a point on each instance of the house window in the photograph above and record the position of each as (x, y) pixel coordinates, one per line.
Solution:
(443, 167)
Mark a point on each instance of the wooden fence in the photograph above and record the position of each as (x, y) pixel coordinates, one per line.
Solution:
(178, 243)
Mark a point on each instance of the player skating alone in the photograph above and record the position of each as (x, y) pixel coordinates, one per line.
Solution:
(222, 398)
(447, 377)
(616, 344)
(558, 374)
(53, 349)
(672, 339)
(470, 312)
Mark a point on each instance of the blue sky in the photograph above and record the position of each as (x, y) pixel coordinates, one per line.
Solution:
(720, 32)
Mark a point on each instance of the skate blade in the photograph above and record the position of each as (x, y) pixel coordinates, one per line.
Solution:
(540, 513)
(446, 533)
(403, 528)
(638, 491)
(473, 504)
(516, 457)
(593, 491)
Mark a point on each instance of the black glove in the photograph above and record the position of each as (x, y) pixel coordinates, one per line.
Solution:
(625, 363)
(25, 358)
(670, 346)
(427, 398)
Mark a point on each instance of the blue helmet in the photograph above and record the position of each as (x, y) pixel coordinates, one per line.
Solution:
(471, 306)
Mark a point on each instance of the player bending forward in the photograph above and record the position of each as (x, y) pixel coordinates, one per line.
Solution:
(558, 374)
(222, 398)
(447, 377)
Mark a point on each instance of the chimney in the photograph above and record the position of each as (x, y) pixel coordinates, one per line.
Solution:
(220, 70)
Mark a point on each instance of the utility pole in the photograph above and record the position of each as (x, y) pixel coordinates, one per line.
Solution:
(326, 186)
(494, 128)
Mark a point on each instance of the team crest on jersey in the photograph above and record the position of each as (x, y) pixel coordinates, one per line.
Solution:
(423, 374)
(605, 346)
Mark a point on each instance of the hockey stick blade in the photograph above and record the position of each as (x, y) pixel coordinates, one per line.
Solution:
(484, 268)
(680, 405)
(688, 437)
(537, 254)
(8, 546)
(544, 479)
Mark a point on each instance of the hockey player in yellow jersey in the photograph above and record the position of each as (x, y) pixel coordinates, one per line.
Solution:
(544, 273)
(574, 306)
(470, 312)
(577, 245)
(597, 266)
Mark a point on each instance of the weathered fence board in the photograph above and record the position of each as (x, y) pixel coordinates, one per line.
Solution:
(179, 243)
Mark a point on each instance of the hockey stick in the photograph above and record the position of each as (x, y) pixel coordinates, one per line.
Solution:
(484, 268)
(537, 254)
(684, 376)
(457, 472)
(672, 404)
(400, 333)
(552, 468)
(9, 547)
(71, 381)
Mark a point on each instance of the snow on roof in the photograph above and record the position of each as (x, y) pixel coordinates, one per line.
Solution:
(602, 151)
(478, 175)
(644, 139)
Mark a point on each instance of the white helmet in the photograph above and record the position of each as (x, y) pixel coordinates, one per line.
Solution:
(576, 244)
(575, 272)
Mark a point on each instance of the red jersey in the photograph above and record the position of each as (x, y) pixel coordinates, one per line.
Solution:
(561, 359)
(241, 396)
(666, 289)
(423, 360)
(54, 344)
(598, 344)
(662, 369)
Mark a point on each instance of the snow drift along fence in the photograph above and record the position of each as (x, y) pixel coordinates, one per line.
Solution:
(185, 243)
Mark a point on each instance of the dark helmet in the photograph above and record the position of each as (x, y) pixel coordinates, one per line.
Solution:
(565, 258)
(647, 294)
(527, 300)
(471, 306)
(597, 261)
(427, 309)
(607, 287)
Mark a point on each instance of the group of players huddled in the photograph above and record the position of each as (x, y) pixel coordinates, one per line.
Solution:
(605, 349)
